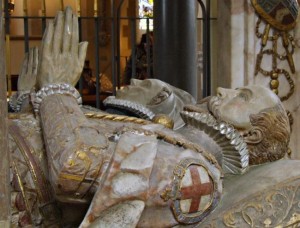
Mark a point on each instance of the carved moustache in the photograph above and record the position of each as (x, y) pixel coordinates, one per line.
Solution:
(213, 106)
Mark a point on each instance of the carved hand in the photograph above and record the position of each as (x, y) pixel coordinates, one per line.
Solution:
(62, 56)
(28, 72)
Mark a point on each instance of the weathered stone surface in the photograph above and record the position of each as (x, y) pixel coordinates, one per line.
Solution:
(141, 159)
(127, 184)
(121, 215)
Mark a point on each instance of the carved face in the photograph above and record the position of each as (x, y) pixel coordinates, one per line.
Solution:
(158, 96)
(141, 91)
(236, 106)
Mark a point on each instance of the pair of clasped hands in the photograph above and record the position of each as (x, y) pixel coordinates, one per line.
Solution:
(59, 59)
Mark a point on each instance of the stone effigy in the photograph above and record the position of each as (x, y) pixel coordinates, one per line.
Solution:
(129, 171)
(78, 165)
(260, 107)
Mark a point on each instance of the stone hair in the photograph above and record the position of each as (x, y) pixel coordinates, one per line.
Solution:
(274, 124)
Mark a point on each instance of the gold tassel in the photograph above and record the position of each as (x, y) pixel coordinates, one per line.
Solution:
(95, 8)
(78, 5)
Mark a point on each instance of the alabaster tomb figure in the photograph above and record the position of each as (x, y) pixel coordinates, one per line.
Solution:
(73, 166)
(250, 111)
(127, 157)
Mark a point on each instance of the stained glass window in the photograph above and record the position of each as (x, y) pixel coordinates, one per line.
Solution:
(146, 11)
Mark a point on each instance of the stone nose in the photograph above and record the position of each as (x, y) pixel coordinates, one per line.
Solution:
(222, 92)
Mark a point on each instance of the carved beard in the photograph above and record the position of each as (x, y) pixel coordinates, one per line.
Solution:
(275, 142)
(213, 106)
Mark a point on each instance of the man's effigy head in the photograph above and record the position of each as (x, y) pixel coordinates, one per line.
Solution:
(151, 92)
(260, 117)
(157, 96)
(141, 91)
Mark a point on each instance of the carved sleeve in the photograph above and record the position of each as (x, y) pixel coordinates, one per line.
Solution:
(74, 146)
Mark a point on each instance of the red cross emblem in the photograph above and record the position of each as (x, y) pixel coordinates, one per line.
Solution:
(196, 190)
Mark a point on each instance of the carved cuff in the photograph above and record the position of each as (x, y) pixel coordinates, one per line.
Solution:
(16, 100)
(62, 88)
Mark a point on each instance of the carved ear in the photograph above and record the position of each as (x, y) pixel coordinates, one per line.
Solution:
(254, 136)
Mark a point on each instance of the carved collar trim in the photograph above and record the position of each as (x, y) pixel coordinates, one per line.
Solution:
(234, 149)
(138, 109)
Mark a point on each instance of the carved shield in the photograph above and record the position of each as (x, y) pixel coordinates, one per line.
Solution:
(281, 14)
(196, 189)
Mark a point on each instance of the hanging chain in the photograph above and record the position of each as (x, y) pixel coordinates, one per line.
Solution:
(289, 44)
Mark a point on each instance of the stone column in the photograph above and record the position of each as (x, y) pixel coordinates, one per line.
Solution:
(4, 161)
(236, 46)
(175, 43)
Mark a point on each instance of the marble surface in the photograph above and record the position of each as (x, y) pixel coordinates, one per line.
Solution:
(136, 189)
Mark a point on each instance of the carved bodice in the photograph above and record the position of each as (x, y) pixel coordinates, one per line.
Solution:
(146, 170)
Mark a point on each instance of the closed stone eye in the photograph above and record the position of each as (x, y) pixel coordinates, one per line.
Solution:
(160, 97)
(243, 96)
